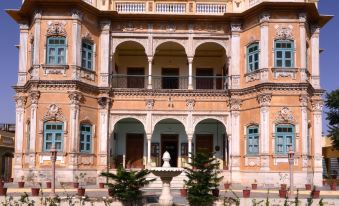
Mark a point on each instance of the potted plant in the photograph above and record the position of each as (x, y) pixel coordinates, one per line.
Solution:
(315, 193)
(246, 193)
(308, 185)
(21, 183)
(48, 183)
(35, 187)
(254, 185)
(333, 185)
(76, 182)
(183, 191)
(82, 182)
(126, 185)
(227, 185)
(282, 192)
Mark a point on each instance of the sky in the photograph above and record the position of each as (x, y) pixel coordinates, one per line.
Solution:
(9, 37)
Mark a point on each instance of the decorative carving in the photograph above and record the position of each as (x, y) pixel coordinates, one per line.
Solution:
(235, 104)
(235, 27)
(285, 115)
(34, 96)
(170, 27)
(264, 17)
(264, 99)
(253, 76)
(149, 104)
(317, 105)
(20, 101)
(284, 33)
(252, 161)
(105, 25)
(170, 102)
(303, 100)
(56, 28)
(54, 113)
(190, 103)
(284, 72)
(37, 14)
(77, 14)
(85, 74)
(75, 97)
(302, 17)
(104, 102)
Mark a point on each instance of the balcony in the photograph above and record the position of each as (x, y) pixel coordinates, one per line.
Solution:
(173, 8)
(210, 8)
(130, 7)
(164, 82)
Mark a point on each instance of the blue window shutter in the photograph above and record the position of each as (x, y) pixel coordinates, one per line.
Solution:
(284, 53)
(56, 51)
(252, 57)
(53, 135)
(252, 140)
(284, 139)
(87, 55)
(85, 138)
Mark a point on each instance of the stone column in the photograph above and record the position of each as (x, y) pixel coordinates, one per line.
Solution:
(190, 138)
(104, 106)
(190, 73)
(235, 104)
(315, 57)
(149, 141)
(264, 101)
(303, 47)
(23, 53)
(20, 101)
(150, 61)
(304, 131)
(34, 97)
(235, 56)
(263, 60)
(104, 53)
(36, 47)
(75, 99)
(317, 106)
(76, 43)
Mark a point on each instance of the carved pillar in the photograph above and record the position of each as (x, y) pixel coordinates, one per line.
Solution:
(36, 47)
(315, 57)
(76, 43)
(150, 60)
(264, 101)
(104, 53)
(34, 97)
(75, 99)
(190, 138)
(19, 130)
(23, 54)
(235, 105)
(104, 104)
(317, 106)
(304, 130)
(190, 73)
(235, 55)
(149, 140)
(263, 60)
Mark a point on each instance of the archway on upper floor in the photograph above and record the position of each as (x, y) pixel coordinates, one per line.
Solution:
(130, 66)
(170, 69)
(210, 67)
(169, 135)
(210, 136)
(128, 144)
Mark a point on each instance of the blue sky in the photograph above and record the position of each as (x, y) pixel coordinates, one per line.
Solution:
(9, 37)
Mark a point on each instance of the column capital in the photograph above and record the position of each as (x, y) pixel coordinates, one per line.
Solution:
(24, 25)
(264, 17)
(34, 97)
(235, 104)
(190, 136)
(235, 27)
(75, 97)
(104, 102)
(37, 14)
(149, 136)
(150, 59)
(77, 14)
(190, 59)
(105, 25)
(264, 99)
(315, 30)
(317, 105)
(303, 98)
(302, 17)
(20, 101)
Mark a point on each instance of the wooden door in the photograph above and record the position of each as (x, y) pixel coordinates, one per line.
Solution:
(169, 143)
(134, 150)
(170, 78)
(135, 78)
(204, 143)
(204, 79)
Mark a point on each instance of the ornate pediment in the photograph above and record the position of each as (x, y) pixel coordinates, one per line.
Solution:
(285, 115)
(284, 33)
(56, 28)
(53, 114)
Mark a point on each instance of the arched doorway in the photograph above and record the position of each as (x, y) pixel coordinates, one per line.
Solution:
(128, 145)
(210, 136)
(169, 135)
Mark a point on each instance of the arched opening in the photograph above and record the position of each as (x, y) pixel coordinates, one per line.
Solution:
(127, 144)
(210, 67)
(170, 69)
(169, 135)
(127, 73)
(210, 136)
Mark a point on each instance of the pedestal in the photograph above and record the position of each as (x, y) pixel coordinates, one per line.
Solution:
(166, 198)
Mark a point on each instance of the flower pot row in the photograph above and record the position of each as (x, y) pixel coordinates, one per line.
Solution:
(22, 184)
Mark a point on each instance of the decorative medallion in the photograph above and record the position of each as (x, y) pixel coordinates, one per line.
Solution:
(285, 115)
(284, 33)
(54, 113)
(190, 103)
(56, 28)
(149, 104)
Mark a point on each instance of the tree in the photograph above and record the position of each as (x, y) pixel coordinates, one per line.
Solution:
(202, 178)
(127, 184)
(332, 103)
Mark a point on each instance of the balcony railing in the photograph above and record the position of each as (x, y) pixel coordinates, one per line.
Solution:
(211, 8)
(253, 2)
(169, 82)
(170, 8)
(130, 7)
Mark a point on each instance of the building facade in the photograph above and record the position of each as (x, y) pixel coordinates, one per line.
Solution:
(117, 83)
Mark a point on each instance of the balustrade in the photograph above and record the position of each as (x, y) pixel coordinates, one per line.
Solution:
(211, 8)
(130, 7)
(170, 8)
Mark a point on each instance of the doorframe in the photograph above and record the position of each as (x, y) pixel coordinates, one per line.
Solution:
(143, 148)
(161, 145)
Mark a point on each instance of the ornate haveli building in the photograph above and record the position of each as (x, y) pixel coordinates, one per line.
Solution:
(117, 82)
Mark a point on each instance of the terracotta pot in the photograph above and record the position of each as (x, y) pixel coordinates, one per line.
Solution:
(2, 184)
(81, 192)
(35, 192)
(110, 193)
(75, 184)
(21, 184)
(101, 185)
(246, 193)
(283, 186)
(254, 186)
(48, 185)
(333, 186)
(282, 193)
(183, 192)
(3, 191)
(215, 192)
(308, 186)
(11, 179)
(315, 193)
(227, 186)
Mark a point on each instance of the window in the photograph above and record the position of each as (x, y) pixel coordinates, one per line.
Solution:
(284, 139)
(252, 140)
(53, 135)
(56, 50)
(284, 53)
(85, 138)
(87, 55)
(253, 57)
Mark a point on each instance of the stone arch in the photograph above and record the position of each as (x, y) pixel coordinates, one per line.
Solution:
(200, 119)
(220, 42)
(117, 118)
(157, 119)
(181, 42)
(119, 41)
